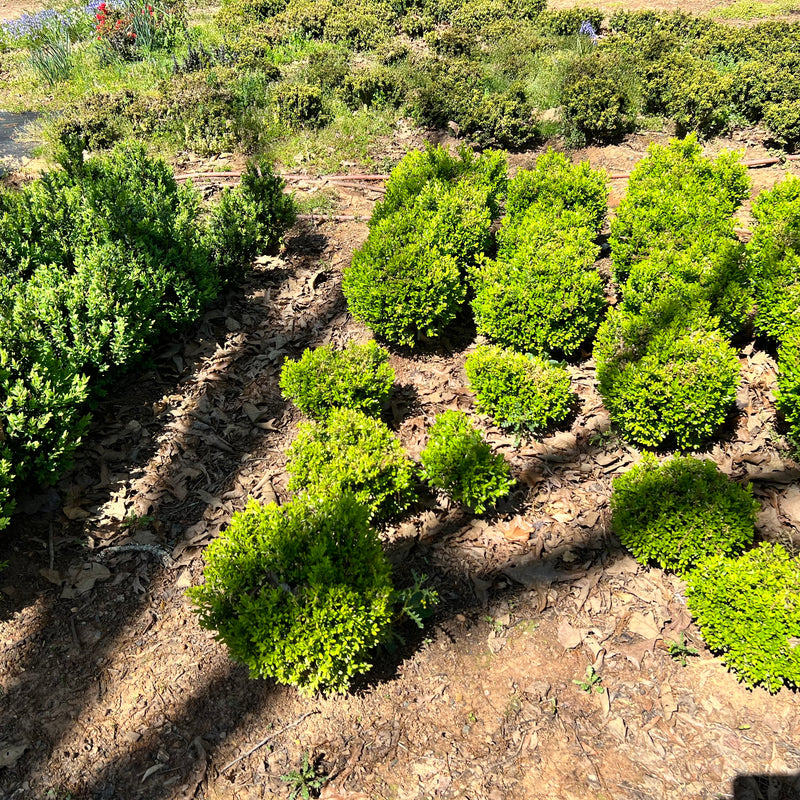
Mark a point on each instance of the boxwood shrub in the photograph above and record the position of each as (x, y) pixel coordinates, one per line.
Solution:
(555, 182)
(542, 293)
(300, 593)
(680, 511)
(667, 375)
(782, 120)
(350, 451)
(407, 281)
(521, 392)
(774, 258)
(459, 461)
(748, 610)
(359, 376)
(677, 199)
(788, 400)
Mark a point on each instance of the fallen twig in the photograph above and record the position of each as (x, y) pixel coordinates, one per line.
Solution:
(267, 739)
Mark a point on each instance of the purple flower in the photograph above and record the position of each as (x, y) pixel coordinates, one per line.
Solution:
(587, 29)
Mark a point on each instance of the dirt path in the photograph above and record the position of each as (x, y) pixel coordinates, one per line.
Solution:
(111, 690)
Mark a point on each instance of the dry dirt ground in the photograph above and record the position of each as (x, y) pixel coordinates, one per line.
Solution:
(109, 689)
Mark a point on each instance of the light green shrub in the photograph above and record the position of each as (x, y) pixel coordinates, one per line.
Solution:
(667, 376)
(788, 399)
(542, 294)
(357, 377)
(774, 258)
(300, 593)
(458, 461)
(407, 281)
(677, 199)
(435, 164)
(521, 392)
(350, 451)
(748, 610)
(681, 511)
(556, 183)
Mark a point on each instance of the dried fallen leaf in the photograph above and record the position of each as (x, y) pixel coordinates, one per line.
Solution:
(790, 504)
(668, 704)
(644, 625)
(568, 637)
(516, 530)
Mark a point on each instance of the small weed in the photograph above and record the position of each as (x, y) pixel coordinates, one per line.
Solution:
(591, 682)
(305, 782)
(134, 521)
(471, 718)
(323, 201)
(679, 650)
(497, 627)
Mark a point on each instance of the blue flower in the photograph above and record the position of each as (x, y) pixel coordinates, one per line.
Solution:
(587, 29)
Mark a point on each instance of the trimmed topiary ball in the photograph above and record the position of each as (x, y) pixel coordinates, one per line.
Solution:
(300, 593)
(748, 610)
(323, 379)
(555, 182)
(681, 511)
(521, 392)
(350, 451)
(667, 376)
(788, 400)
(542, 294)
(459, 461)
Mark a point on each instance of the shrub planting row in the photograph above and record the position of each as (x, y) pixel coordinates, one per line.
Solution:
(666, 371)
(686, 516)
(97, 262)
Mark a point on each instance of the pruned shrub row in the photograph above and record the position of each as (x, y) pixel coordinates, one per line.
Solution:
(408, 280)
(666, 371)
(97, 262)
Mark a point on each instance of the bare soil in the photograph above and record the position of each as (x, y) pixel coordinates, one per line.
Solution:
(109, 689)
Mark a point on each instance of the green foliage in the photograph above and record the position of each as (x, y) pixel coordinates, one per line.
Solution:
(764, 82)
(416, 602)
(748, 610)
(458, 461)
(248, 221)
(774, 258)
(435, 164)
(357, 377)
(676, 200)
(678, 512)
(460, 91)
(542, 294)
(568, 21)
(305, 782)
(596, 105)
(372, 87)
(521, 392)
(299, 105)
(679, 650)
(300, 593)
(96, 263)
(667, 376)
(713, 278)
(690, 91)
(788, 400)
(351, 452)
(407, 280)
(782, 120)
(555, 182)
(95, 123)
(591, 682)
